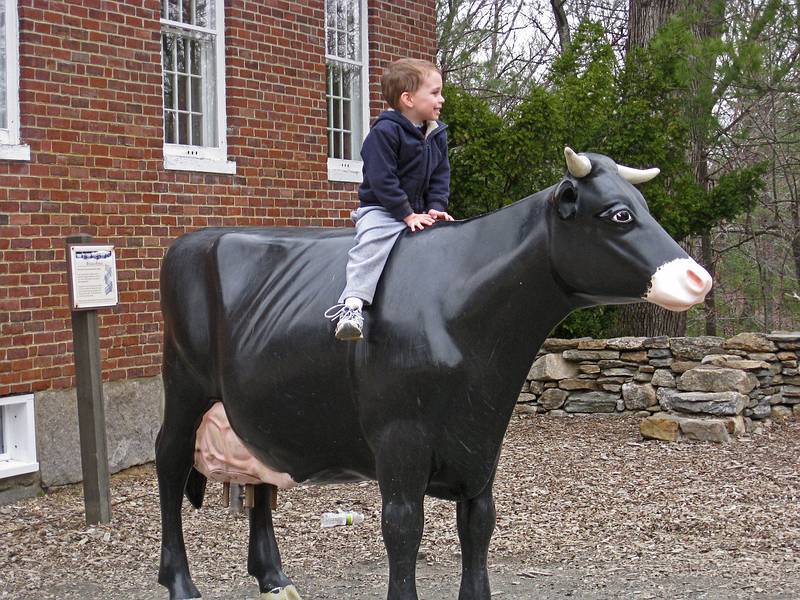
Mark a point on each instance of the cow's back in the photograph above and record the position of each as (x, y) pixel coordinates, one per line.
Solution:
(257, 263)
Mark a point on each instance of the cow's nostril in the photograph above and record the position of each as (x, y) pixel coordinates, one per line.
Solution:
(697, 283)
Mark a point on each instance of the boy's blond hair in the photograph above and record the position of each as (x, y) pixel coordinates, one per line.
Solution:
(404, 75)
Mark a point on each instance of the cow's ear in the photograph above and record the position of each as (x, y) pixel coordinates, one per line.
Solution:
(565, 199)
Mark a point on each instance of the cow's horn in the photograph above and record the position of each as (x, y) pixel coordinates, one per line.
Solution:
(578, 166)
(637, 175)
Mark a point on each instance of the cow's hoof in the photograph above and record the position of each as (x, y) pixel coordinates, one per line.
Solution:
(182, 589)
(286, 593)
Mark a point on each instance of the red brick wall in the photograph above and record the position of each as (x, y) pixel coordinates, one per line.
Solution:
(90, 103)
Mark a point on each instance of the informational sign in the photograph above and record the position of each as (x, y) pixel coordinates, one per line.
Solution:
(92, 276)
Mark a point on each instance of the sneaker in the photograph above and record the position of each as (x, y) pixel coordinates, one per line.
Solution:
(350, 324)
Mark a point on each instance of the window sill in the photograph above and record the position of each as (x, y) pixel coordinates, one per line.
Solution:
(15, 152)
(199, 165)
(345, 170)
(11, 468)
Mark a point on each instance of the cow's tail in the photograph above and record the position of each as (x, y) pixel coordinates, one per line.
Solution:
(195, 489)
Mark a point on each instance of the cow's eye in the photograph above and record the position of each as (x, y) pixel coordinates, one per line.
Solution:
(622, 216)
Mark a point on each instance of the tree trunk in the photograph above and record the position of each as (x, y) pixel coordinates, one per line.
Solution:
(796, 242)
(648, 320)
(710, 303)
(796, 252)
(700, 107)
(561, 23)
(645, 17)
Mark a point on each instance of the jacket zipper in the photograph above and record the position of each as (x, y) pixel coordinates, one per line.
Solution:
(427, 161)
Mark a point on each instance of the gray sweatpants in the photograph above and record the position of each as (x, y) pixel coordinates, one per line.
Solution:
(376, 233)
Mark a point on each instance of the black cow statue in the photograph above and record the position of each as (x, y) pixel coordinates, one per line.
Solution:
(422, 403)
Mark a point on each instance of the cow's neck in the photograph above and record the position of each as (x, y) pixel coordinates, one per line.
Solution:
(510, 269)
(511, 296)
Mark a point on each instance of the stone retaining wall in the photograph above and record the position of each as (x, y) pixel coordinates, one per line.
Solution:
(693, 388)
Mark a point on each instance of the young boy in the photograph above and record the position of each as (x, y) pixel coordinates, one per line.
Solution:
(406, 182)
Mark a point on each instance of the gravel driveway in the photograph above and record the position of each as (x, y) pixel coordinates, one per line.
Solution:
(585, 510)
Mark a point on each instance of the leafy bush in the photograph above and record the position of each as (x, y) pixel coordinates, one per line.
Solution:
(634, 112)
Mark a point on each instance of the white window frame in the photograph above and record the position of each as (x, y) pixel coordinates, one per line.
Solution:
(19, 436)
(205, 159)
(351, 170)
(11, 147)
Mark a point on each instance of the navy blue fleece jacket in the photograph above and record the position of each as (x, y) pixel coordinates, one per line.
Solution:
(404, 170)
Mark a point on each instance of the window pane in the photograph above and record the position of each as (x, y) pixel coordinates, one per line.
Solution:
(169, 97)
(335, 81)
(180, 46)
(3, 59)
(197, 130)
(338, 144)
(201, 12)
(169, 127)
(183, 82)
(346, 115)
(197, 94)
(196, 56)
(347, 149)
(330, 14)
(348, 77)
(339, 8)
(331, 49)
(167, 48)
(341, 44)
(183, 128)
(192, 12)
(337, 114)
(352, 31)
(169, 10)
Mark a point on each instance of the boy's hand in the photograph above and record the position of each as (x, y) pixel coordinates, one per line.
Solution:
(418, 221)
(440, 214)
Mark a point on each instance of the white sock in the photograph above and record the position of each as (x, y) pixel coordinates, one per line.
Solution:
(354, 303)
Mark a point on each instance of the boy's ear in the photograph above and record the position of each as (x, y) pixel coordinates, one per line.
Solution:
(406, 99)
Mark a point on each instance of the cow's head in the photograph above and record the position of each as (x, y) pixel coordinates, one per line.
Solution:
(606, 248)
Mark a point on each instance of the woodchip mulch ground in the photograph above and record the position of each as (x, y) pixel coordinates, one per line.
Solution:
(585, 493)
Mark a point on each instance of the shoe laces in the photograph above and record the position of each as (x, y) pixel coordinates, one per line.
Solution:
(344, 313)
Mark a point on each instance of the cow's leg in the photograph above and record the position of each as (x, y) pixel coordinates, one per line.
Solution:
(183, 409)
(403, 475)
(263, 557)
(475, 519)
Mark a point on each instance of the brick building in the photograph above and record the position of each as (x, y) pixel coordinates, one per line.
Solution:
(117, 122)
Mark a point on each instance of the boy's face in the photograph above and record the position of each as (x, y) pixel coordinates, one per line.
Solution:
(425, 103)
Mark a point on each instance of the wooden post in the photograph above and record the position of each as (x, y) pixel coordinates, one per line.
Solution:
(236, 495)
(226, 494)
(91, 412)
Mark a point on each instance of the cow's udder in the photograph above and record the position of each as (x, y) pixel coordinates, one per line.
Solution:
(221, 456)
